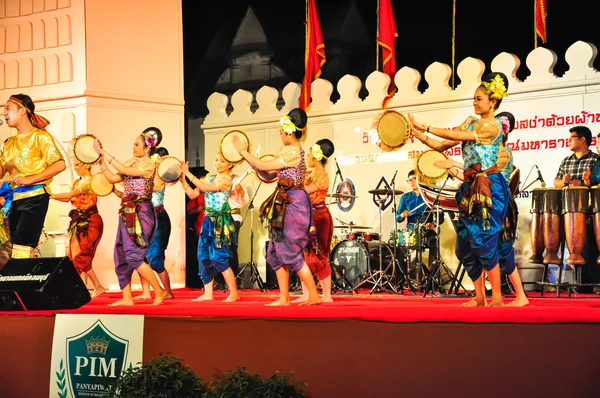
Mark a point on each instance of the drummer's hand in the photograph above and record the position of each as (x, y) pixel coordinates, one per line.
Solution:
(98, 147)
(237, 143)
(185, 168)
(430, 226)
(22, 180)
(405, 213)
(586, 177)
(575, 182)
(567, 179)
(444, 164)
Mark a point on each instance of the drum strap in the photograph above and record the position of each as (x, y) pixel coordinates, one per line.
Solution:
(272, 211)
(80, 221)
(478, 199)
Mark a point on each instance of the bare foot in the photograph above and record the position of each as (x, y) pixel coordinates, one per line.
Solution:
(300, 299)
(312, 301)
(169, 296)
(122, 302)
(143, 296)
(519, 302)
(204, 297)
(281, 301)
(496, 303)
(98, 291)
(327, 299)
(232, 298)
(475, 303)
(159, 297)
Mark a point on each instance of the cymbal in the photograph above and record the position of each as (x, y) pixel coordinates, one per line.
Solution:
(385, 191)
(340, 196)
(351, 226)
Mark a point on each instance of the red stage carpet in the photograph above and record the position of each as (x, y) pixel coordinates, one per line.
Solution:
(377, 307)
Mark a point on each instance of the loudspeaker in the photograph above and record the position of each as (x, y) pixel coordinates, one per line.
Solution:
(50, 283)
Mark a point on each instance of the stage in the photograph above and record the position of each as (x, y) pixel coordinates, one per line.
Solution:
(359, 346)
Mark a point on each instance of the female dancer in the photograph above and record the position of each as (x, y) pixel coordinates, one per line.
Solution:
(287, 211)
(137, 220)
(86, 226)
(317, 184)
(218, 229)
(156, 252)
(505, 164)
(483, 197)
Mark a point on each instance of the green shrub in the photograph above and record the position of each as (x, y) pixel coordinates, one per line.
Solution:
(240, 383)
(162, 377)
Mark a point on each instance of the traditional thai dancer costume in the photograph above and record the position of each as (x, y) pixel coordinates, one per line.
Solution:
(218, 229)
(483, 200)
(317, 258)
(86, 226)
(287, 212)
(137, 220)
(156, 251)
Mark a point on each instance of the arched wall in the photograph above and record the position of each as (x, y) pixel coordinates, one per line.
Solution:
(544, 105)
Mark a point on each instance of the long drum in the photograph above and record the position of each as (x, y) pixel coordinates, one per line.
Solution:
(553, 224)
(595, 208)
(537, 226)
(576, 208)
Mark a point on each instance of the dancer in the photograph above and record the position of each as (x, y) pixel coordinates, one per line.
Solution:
(218, 229)
(86, 226)
(317, 184)
(288, 210)
(483, 197)
(32, 159)
(137, 220)
(155, 256)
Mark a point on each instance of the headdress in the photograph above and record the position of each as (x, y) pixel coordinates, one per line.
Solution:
(317, 152)
(287, 125)
(38, 121)
(505, 125)
(496, 88)
(151, 138)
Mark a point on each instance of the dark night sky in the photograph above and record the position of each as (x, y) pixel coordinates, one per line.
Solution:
(483, 30)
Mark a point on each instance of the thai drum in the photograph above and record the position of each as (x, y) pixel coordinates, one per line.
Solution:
(595, 208)
(576, 208)
(553, 224)
(537, 226)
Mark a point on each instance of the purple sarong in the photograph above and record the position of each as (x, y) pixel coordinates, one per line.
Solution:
(289, 252)
(128, 255)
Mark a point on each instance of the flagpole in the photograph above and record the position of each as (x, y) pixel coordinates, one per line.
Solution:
(535, 39)
(453, 40)
(377, 40)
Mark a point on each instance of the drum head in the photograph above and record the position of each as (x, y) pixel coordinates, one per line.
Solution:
(84, 149)
(349, 262)
(393, 129)
(100, 185)
(266, 157)
(227, 149)
(426, 170)
(168, 169)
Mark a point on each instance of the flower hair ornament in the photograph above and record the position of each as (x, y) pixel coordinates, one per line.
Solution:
(496, 88)
(505, 125)
(151, 138)
(317, 152)
(287, 125)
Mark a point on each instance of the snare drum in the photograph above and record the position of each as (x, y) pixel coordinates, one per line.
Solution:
(227, 149)
(426, 171)
(168, 169)
(83, 149)
(100, 185)
(408, 238)
(393, 129)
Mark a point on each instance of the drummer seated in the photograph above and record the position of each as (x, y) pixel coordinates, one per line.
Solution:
(411, 209)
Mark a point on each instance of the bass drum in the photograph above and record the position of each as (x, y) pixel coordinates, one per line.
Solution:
(351, 260)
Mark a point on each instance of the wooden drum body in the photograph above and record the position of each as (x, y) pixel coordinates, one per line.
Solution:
(595, 208)
(552, 224)
(537, 226)
(576, 208)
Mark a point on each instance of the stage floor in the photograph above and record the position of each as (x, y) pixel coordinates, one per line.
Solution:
(385, 307)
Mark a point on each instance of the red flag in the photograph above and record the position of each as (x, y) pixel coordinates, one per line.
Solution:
(314, 54)
(387, 40)
(540, 19)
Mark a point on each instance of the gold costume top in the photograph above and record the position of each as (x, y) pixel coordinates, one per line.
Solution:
(87, 199)
(321, 180)
(27, 154)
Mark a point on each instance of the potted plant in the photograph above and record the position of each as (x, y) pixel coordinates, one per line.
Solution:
(240, 383)
(162, 377)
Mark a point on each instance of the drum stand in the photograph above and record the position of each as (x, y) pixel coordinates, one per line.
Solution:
(254, 274)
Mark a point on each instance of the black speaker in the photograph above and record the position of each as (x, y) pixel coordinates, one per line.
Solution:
(50, 283)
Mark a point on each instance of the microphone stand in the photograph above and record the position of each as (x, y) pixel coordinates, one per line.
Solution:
(254, 274)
